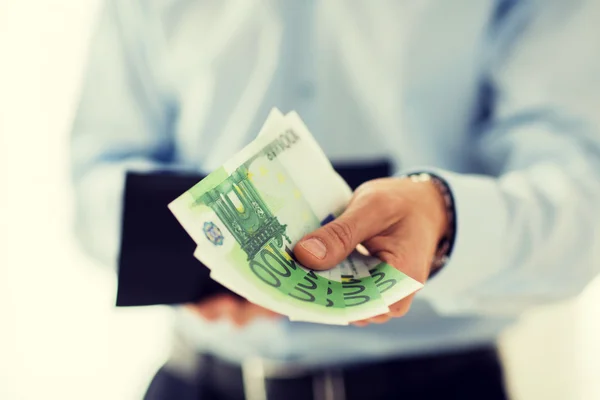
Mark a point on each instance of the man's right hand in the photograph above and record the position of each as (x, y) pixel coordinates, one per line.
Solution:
(224, 306)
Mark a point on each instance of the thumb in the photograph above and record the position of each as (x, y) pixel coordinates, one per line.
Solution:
(332, 243)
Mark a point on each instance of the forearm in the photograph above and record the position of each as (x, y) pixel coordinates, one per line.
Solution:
(526, 237)
(528, 230)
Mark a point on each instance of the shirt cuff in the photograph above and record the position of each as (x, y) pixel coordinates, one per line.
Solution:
(477, 254)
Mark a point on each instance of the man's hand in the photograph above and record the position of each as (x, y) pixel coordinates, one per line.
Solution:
(397, 220)
(239, 311)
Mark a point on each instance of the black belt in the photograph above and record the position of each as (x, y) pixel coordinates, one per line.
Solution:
(470, 374)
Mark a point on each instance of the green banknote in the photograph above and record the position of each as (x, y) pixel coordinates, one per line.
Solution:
(391, 284)
(247, 216)
(361, 296)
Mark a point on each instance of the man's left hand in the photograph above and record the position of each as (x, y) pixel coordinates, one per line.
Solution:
(397, 220)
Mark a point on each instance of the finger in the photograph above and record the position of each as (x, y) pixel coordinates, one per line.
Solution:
(239, 316)
(265, 313)
(398, 309)
(255, 311)
(214, 308)
(200, 311)
(227, 307)
(247, 312)
(405, 247)
(401, 308)
(380, 319)
(368, 214)
(204, 308)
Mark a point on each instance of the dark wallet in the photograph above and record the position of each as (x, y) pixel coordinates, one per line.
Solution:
(156, 262)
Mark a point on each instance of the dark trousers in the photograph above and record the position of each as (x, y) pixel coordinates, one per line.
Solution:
(475, 374)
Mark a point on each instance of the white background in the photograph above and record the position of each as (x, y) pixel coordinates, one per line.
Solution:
(60, 336)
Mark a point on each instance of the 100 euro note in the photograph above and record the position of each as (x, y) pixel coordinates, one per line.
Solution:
(317, 289)
(368, 285)
(247, 216)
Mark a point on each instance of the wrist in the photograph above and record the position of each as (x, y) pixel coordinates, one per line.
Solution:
(441, 209)
(431, 200)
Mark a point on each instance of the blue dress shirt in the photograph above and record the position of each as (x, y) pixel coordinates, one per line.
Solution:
(500, 98)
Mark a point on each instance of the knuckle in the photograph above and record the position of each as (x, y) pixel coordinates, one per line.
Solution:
(377, 195)
(366, 188)
(207, 313)
(342, 232)
(401, 312)
(373, 185)
(368, 193)
(228, 301)
(238, 318)
(387, 206)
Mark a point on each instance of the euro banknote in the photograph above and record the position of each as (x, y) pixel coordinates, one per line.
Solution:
(247, 216)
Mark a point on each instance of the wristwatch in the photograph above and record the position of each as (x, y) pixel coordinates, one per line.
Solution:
(446, 243)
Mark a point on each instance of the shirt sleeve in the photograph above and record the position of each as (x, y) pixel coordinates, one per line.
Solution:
(528, 230)
(121, 123)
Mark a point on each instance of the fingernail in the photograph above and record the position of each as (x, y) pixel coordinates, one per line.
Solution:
(315, 247)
